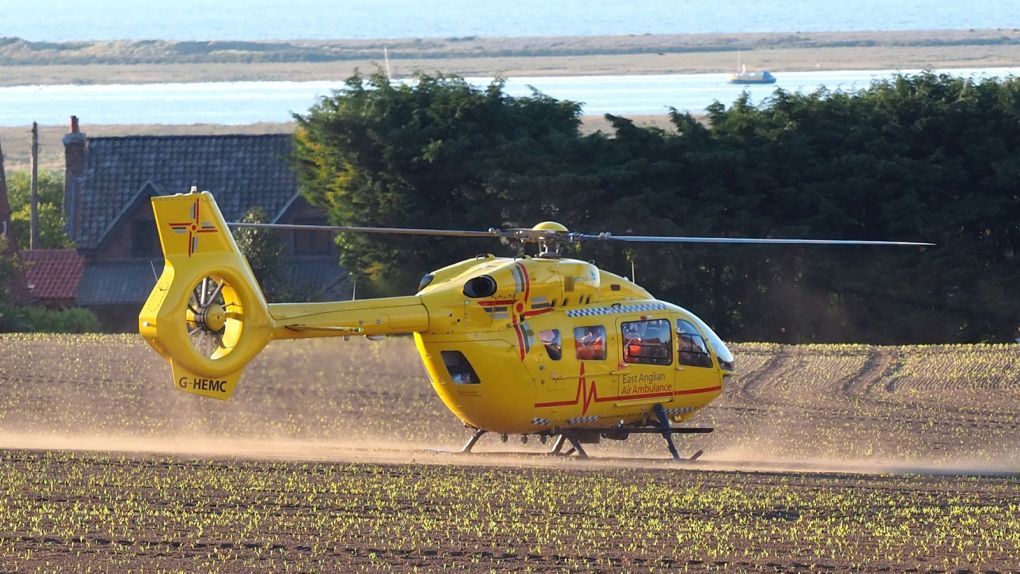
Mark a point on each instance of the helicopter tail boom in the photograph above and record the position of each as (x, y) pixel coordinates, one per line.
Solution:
(208, 316)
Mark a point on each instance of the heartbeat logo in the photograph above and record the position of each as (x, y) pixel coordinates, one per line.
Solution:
(193, 228)
(588, 394)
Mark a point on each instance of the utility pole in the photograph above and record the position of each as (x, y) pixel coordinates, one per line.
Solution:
(33, 240)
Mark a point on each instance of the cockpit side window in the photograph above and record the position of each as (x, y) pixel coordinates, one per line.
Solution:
(551, 339)
(647, 342)
(590, 343)
(691, 348)
(461, 371)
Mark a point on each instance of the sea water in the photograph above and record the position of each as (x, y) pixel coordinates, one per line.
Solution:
(250, 102)
(62, 20)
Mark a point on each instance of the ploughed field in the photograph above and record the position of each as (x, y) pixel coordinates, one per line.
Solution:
(824, 458)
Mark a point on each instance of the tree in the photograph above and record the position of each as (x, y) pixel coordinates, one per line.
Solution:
(438, 153)
(52, 232)
(9, 268)
(262, 248)
(926, 157)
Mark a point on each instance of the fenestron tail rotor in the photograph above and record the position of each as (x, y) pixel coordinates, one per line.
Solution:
(214, 317)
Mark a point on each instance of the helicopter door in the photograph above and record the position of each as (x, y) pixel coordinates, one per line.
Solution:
(646, 369)
(581, 373)
(694, 363)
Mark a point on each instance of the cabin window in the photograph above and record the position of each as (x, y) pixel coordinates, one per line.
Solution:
(460, 369)
(691, 348)
(144, 242)
(590, 343)
(647, 342)
(551, 339)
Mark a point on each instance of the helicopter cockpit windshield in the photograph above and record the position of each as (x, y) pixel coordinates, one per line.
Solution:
(722, 352)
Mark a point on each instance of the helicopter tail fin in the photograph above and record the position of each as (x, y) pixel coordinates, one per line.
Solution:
(206, 315)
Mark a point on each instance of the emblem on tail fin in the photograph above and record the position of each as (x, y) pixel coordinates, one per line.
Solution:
(194, 227)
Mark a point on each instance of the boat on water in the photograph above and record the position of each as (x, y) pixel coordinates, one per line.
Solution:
(745, 77)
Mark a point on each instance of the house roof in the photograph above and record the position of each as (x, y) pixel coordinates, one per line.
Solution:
(53, 273)
(242, 171)
(130, 282)
(320, 276)
(120, 283)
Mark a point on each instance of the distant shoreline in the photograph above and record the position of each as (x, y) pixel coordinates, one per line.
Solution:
(27, 63)
(37, 63)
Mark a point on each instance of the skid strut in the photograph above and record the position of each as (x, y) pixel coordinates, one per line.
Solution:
(667, 433)
(470, 444)
(575, 446)
(558, 444)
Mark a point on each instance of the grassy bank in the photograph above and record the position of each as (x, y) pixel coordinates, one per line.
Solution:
(27, 63)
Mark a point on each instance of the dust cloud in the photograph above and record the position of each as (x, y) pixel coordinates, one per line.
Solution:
(792, 409)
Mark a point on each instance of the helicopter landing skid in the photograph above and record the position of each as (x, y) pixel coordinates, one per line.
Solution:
(575, 446)
(578, 436)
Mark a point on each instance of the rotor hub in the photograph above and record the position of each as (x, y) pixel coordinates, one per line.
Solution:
(212, 317)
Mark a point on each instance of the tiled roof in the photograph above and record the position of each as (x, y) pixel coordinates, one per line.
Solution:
(322, 276)
(240, 170)
(127, 283)
(53, 273)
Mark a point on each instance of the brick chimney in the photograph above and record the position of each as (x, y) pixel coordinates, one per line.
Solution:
(74, 168)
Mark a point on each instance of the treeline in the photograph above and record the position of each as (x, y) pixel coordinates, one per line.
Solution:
(925, 158)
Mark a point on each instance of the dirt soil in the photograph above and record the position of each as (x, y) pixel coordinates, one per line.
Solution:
(846, 458)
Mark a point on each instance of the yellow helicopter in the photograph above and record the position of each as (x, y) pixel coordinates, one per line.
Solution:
(544, 345)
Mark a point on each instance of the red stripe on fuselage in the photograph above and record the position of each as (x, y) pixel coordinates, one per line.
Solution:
(696, 391)
(527, 281)
(520, 337)
(591, 395)
(495, 303)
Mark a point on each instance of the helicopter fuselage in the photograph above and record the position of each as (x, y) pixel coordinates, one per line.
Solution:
(528, 345)
(532, 345)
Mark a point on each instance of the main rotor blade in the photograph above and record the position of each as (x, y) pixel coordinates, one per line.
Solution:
(738, 240)
(530, 235)
(386, 230)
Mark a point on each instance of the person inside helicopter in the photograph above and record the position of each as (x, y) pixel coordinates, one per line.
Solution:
(590, 342)
(551, 339)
